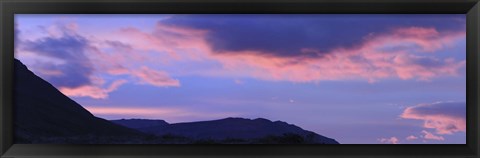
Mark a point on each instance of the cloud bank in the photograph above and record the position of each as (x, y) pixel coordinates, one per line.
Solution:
(266, 47)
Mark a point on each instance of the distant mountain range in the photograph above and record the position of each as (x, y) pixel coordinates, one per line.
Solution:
(237, 129)
(43, 115)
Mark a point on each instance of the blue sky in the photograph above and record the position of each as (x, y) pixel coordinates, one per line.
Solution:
(360, 79)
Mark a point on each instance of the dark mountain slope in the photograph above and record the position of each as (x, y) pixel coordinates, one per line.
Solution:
(232, 128)
(44, 115)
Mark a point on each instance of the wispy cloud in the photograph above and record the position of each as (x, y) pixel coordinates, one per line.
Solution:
(391, 140)
(411, 137)
(156, 78)
(169, 114)
(92, 91)
(431, 136)
(444, 117)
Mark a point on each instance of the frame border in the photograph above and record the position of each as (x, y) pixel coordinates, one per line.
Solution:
(8, 8)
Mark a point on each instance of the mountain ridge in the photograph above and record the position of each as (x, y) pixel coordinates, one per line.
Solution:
(44, 115)
(231, 128)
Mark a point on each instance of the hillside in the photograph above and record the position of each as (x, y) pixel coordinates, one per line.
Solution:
(44, 115)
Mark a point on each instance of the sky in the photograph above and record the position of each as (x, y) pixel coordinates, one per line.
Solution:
(359, 78)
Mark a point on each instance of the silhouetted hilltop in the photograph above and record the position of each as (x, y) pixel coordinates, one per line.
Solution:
(230, 129)
(140, 123)
(44, 115)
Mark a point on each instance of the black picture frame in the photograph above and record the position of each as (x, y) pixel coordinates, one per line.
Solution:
(8, 8)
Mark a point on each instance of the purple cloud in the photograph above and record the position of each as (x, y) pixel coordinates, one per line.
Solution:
(288, 35)
(71, 50)
(444, 117)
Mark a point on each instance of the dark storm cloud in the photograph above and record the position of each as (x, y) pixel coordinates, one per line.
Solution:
(286, 35)
(70, 49)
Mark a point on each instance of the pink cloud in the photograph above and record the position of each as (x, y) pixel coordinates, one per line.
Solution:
(391, 140)
(403, 53)
(131, 111)
(237, 81)
(113, 57)
(419, 36)
(92, 91)
(169, 114)
(444, 117)
(431, 136)
(48, 72)
(117, 70)
(178, 43)
(369, 61)
(156, 78)
(411, 137)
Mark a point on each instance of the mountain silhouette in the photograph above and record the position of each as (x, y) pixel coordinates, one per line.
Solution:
(140, 123)
(227, 129)
(45, 115)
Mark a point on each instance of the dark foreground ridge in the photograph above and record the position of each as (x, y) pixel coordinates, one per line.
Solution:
(43, 115)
